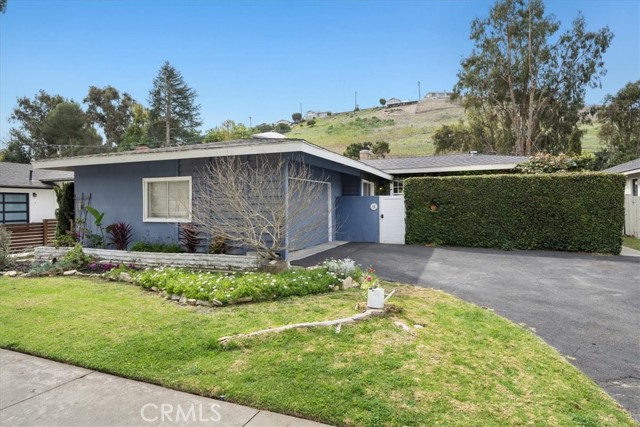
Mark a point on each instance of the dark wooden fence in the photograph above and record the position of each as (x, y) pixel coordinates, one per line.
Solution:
(27, 236)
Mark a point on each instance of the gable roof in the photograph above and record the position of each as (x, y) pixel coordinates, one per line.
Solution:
(626, 168)
(17, 175)
(448, 163)
(237, 147)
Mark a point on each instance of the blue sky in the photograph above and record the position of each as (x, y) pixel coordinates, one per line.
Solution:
(263, 58)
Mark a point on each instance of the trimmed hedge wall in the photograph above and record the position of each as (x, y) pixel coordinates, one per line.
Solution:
(567, 212)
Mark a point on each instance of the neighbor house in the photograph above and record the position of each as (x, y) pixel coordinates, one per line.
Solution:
(631, 170)
(130, 186)
(453, 164)
(27, 195)
(316, 115)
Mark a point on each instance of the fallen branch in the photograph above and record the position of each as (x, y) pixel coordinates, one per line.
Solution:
(345, 320)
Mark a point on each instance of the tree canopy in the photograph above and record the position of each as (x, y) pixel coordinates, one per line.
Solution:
(524, 82)
(29, 116)
(173, 112)
(66, 127)
(620, 119)
(110, 110)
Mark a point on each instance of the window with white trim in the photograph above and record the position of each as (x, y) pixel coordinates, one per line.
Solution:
(397, 187)
(167, 199)
(368, 188)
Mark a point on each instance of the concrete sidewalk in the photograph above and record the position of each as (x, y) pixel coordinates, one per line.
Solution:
(40, 392)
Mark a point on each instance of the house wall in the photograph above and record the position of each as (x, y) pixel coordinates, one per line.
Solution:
(356, 221)
(628, 189)
(41, 206)
(116, 190)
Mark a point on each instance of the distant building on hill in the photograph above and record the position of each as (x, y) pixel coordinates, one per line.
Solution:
(395, 102)
(316, 115)
(438, 95)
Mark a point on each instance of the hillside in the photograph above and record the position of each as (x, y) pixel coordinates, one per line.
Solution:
(408, 129)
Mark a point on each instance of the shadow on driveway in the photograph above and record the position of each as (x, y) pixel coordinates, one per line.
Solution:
(586, 306)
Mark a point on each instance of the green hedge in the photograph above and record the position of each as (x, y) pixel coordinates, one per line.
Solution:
(568, 212)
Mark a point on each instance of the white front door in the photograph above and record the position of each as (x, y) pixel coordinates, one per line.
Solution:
(392, 226)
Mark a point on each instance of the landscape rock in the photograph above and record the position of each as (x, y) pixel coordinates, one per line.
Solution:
(206, 303)
(154, 289)
(175, 297)
(217, 303)
(11, 273)
(124, 277)
(348, 283)
(245, 299)
(275, 266)
(69, 272)
(183, 300)
(191, 301)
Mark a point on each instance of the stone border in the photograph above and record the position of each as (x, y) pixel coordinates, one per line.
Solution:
(207, 262)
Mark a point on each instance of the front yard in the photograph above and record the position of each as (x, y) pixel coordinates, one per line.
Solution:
(465, 367)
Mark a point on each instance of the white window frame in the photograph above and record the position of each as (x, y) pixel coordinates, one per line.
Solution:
(373, 188)
(145, 205)
(399, 181)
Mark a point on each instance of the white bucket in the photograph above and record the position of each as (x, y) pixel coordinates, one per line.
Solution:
(375, 298)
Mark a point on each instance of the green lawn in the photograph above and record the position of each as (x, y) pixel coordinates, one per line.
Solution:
(631, 242)
(466, 367)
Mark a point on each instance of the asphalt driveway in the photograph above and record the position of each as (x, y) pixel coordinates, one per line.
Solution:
(586, 306)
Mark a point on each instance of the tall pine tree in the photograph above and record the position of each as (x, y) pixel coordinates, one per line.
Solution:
(173, 112)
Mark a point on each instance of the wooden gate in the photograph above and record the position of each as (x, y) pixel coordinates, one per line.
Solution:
(632, 215)
(27, 236)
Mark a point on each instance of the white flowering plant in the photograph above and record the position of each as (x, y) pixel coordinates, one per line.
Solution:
(231, 287)
(343, 268)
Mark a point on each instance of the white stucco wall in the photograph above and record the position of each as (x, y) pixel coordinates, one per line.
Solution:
(42, 206)
(630, 178)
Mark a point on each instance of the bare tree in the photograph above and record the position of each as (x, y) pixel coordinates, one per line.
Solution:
(267, 203)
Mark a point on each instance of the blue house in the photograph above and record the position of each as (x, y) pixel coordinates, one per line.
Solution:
(153, 189)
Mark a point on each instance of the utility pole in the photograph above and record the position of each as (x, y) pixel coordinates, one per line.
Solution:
(419, 94)
(301, 108)
(250, 122)
(355, 107)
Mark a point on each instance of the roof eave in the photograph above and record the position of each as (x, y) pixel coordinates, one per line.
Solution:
(237, 150)
(451, 169)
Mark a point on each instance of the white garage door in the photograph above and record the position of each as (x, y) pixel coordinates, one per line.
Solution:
(309, 221)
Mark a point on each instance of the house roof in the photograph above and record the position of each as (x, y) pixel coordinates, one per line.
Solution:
(17, 175)
(448, 163)
(268, 135)
(214, 149)
(626, 168)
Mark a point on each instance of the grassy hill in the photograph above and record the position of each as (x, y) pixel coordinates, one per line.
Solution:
(408, 129)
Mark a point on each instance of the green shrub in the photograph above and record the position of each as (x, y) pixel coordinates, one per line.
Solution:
(5, 246)
(229, 288)
(65, 214)
(570, 212)
(75, 258)
(168, 248)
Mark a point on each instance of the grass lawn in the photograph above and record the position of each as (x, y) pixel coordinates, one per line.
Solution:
(631, 242)
(466, 367)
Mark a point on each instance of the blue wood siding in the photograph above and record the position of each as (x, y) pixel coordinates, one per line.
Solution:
(116, 190)
(356, 221)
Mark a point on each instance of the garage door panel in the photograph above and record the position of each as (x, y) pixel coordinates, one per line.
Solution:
(309, 215)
